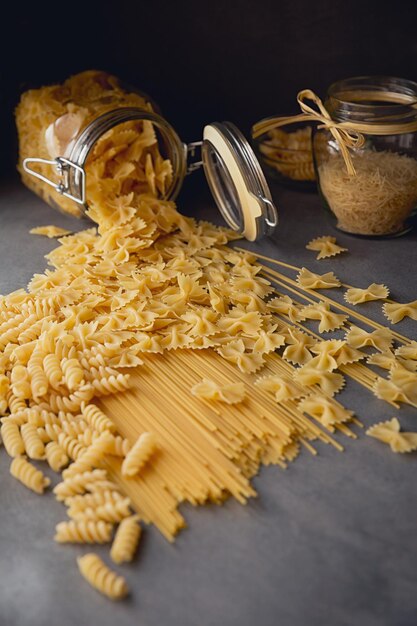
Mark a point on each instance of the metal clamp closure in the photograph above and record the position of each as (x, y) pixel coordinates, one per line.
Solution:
(71, 182)
(191, 150)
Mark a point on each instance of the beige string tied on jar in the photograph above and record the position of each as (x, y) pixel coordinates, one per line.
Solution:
(348, 135)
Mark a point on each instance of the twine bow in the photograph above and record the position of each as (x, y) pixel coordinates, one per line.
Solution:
(344, 133)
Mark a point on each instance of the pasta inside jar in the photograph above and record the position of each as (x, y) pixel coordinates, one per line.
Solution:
(125, 159)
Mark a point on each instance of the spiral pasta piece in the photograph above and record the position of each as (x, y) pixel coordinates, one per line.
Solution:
(12, 439)
(73, 373)
(97, 419)
(83, 532)
(101, 577)
(34, 446)
(73, 448)
(92, 500)
(73, 427)
(79, 484)
(120, 446)
(16, 404)
(92, 457)
(109, 512)
(20, 382)
(126, 540)
(38, 380)
(56, 457)
(28, 475)
(41, 417)
(112, 384)
(53, 371)
(138, 456)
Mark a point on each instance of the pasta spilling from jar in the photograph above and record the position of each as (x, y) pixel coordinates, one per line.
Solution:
(123, 160)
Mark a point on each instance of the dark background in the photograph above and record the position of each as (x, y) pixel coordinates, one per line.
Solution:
(201, 61)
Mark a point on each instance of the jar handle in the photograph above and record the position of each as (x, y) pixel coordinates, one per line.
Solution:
(72, 177)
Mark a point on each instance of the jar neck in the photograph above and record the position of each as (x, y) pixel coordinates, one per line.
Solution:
(168, 140)
(373, 100)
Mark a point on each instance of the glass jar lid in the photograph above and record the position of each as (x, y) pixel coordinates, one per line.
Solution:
(237, 182)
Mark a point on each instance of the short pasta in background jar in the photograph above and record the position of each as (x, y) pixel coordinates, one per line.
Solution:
(287, 155)
(91, 145)
(379, 196)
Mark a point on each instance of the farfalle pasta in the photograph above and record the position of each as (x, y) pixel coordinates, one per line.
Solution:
(380, 339)
(282, 387)
(326, 246)
(405, 380)
(325, 410)
(389, 432)
(329, 320)
(330, 383)
(49, 231)
(408, 352)
(207, 389)
(396, 312)
(326, 359)
(310, 280)
(389, 391)
(235, 352)
(355, 295)
(386, 360)
(284, 305)
(298, 345)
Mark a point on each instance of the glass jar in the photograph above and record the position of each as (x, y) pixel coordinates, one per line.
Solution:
(92, 139)
(286, 155)
(379, 197)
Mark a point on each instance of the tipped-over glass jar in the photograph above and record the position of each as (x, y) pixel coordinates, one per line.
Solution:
(381, 194)
(92, 142)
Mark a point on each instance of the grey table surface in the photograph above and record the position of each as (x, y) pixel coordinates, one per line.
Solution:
(330, 541)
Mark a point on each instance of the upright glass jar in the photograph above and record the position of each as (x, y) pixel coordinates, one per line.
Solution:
(91, 141)
(381, 194)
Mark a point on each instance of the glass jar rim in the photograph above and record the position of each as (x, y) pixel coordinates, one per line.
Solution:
(384, 97)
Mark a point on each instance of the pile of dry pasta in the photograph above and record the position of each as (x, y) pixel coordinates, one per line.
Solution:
(155, 301)
(152, 365)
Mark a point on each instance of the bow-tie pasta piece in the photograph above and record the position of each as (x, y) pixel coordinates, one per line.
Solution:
(373, 292)
(207, 389)
(297, 350)
(386, 360)
(330, 383)
(201, 322)
(387, 390)
(310, 280)
(346, 354)
(408, 352)
(325, 246)
(389, 432)
(238, 321)
(326, 352)
(326, 411)
(267, 342)
(380, 339)
(235, 352)
(283, 387)
(321, 311)
(284, 305)
(406, 381)
(49, 231)
(395, 311)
